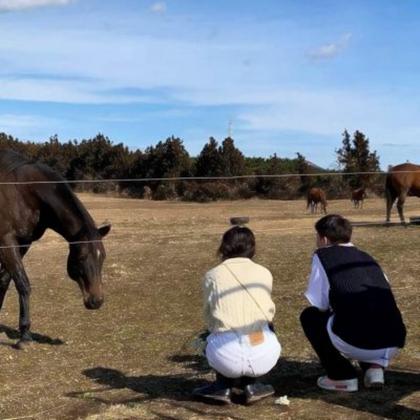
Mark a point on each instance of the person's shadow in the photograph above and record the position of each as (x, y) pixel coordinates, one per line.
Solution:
(14, 334)
(295, 378)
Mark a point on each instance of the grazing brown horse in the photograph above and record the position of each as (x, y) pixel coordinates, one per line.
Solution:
(402, 180)
(34, 198)
(358, 196)
(316, 196)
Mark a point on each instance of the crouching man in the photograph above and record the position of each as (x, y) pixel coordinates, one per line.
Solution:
(353, 314)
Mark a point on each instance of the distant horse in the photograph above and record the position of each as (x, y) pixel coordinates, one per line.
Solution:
(316, 196)
(30, 204)
(402, 180)
(358, 196)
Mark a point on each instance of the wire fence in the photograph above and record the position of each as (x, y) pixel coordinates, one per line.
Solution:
(199, 178)
(186, 178)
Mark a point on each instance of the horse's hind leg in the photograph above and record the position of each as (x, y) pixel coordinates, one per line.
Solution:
(4, 285)
(400, 205)
(390, 199)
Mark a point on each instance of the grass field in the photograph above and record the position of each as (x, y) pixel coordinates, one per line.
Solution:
(132, 358)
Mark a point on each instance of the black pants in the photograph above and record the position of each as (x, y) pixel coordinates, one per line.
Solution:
(314, 323)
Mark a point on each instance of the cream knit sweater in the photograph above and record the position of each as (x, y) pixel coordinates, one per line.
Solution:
(228, 306)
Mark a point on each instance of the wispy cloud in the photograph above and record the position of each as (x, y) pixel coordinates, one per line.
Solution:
(27, 126)
(17, 120)
(331, 50)
(70, 92)
(11, 5)
(159, 7)
(37, 66)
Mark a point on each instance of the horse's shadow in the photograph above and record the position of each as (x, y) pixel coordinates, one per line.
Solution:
(14, 334)
(297, 379)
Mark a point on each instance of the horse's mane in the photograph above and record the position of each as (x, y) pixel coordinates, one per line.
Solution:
(10, 161)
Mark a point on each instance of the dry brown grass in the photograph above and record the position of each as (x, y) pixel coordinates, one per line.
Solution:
(131, 359)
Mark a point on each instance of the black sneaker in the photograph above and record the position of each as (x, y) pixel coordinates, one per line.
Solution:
(214, 392)
(257, 391)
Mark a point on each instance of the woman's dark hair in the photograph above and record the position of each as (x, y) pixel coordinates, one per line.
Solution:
(238, 241)
(334, 227)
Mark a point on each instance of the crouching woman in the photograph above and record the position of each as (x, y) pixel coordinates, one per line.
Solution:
(238, 310)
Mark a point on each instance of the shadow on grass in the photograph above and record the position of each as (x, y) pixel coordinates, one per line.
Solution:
(297, 379)
(14, 334)
(190, 361)
(176, 387)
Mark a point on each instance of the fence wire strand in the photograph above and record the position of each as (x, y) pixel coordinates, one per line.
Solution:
(184, 178)
(197, 178)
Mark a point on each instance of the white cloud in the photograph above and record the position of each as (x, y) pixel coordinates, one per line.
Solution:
(117, 61)
(158, 7)
(65, 91)
(11, 5)
(27, 126)
(328, 51)
(19, 120)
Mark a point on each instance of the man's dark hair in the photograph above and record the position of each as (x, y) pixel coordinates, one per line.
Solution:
(238, 241)
(334, 227)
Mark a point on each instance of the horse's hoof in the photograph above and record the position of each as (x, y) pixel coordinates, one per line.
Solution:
(23, 344)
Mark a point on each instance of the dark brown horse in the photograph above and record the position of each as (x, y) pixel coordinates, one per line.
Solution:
(402, 180)
(34, 198)
(316, 196)
(357, 197)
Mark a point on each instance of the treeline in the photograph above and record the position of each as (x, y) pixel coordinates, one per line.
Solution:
(99, 158)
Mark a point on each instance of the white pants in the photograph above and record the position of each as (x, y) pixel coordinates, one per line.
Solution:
(233, 355)
(378, 356)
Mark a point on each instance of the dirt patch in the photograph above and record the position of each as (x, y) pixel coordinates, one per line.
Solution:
(132, 359)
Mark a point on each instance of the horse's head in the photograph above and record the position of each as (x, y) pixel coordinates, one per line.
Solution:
(84, 265)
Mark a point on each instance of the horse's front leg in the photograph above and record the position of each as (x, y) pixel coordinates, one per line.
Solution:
(24, 290)
(12, 261)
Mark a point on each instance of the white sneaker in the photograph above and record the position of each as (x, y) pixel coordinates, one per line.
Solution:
(374, 378)
(343, 385)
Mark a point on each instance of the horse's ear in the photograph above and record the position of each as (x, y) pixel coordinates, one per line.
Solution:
(104, 229)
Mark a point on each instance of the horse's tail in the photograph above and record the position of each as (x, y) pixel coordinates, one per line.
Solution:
(390, 195)
(389, 188)
(324, 202)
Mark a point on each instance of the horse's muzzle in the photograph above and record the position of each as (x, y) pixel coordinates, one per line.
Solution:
(94, 302)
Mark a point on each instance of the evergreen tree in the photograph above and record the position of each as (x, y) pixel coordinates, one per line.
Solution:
(167, 159)
(209, 161)
(232, 158)
(355, 156)
(303, 168)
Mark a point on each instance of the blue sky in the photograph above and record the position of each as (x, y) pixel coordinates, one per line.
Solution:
(289, 75)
